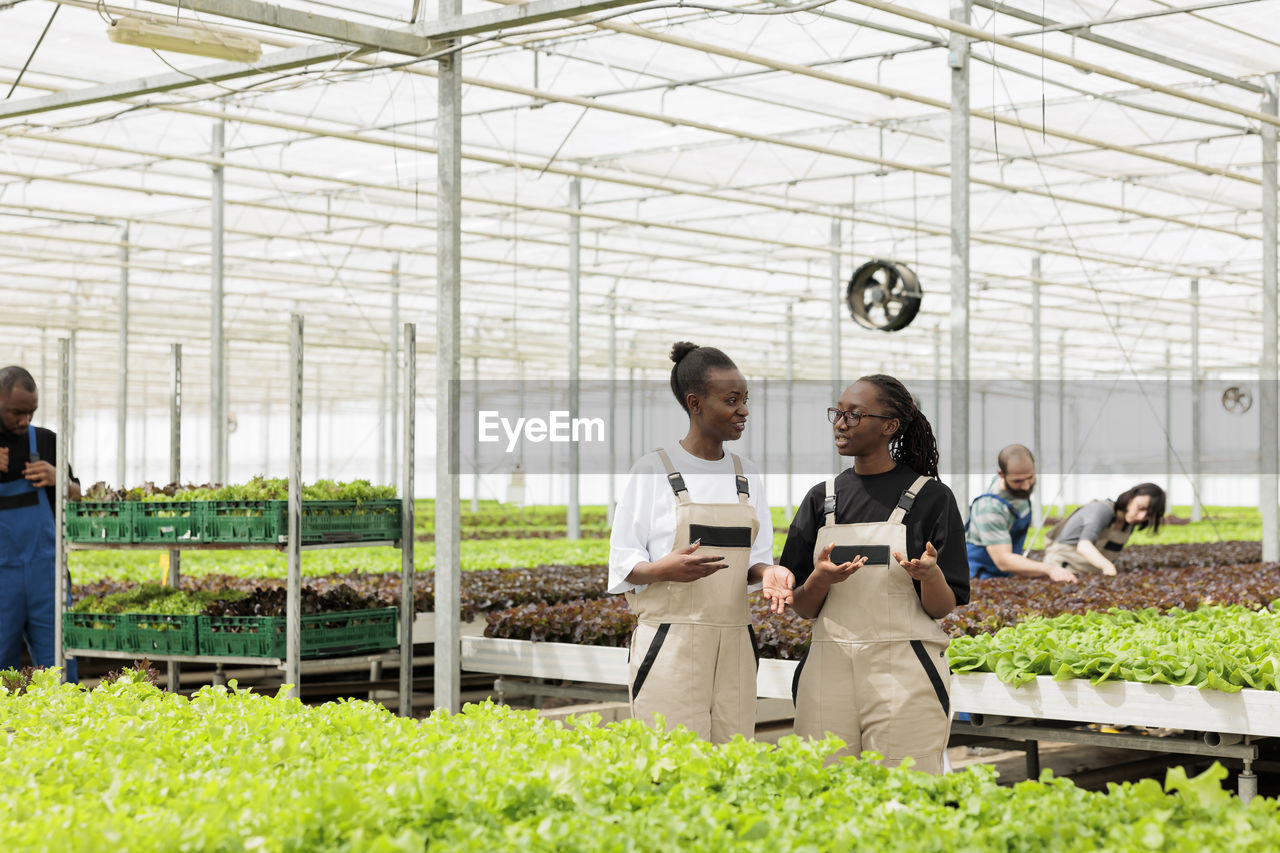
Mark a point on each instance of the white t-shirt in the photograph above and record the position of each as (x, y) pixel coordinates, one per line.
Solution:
(644, 523)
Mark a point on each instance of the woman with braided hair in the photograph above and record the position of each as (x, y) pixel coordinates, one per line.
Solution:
(876, 673)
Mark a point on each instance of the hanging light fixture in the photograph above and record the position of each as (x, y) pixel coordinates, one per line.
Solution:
(161, 33)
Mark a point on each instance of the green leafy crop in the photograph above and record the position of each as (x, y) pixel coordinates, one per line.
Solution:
(127, 766)
(1217, 647)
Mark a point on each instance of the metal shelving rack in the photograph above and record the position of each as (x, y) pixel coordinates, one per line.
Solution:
(291, 663)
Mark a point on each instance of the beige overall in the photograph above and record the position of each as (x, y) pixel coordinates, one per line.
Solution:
(876, 674)
(1110, 542)
(693, 656)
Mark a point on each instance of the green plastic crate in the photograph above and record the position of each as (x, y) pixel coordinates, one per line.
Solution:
(108, 632)
(99, 521)
(346, 521)
(241, 521)
(162, 633)
(169, 521)
(323, 634)
(267, 522)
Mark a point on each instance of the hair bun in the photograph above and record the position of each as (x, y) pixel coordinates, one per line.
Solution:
(680, 349)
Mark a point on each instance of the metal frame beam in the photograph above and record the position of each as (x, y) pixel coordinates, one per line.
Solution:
(1080, 65)
(1082, 30)
(518, 15)
(293, 57)
(393, 40)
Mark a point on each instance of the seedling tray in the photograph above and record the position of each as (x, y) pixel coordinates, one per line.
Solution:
(267, 522)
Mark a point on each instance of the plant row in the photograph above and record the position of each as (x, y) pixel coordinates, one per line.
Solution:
(257, 489)
(230, 770)
(482, 591)
(609, 622)
(152, 619)
(479, 555)
(1216, 647)
(998, 602)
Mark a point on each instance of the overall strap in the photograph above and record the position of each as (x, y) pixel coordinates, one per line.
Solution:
(829, 502)
(34, 454)
(21, 485)
(674, 478)
(740, 480)
(908, 498)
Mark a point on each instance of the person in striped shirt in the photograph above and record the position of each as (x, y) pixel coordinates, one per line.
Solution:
(999, 518)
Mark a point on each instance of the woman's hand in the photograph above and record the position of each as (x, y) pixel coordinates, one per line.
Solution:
(778, 586)
(921, 568)
(829, 573)
(683, 566)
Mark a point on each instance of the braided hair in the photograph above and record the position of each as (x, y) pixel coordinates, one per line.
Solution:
(692, 364)
(913, 444)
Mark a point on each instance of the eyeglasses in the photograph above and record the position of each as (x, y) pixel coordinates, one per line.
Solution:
(851, 417)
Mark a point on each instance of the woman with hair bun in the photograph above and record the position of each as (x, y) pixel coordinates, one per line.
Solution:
(876, 673)
(691, 532)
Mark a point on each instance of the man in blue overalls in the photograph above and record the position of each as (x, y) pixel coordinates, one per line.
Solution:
(28, 481)
(999, 519)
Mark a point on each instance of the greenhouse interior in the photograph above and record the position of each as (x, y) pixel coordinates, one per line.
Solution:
(742, 424)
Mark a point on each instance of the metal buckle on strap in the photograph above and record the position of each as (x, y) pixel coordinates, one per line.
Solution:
(829, 505)
(906, 501)
(742, 484)
(677, 483)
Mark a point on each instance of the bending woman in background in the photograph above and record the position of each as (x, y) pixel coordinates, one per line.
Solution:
(1087, 539)
(876, 674)
(691, 531)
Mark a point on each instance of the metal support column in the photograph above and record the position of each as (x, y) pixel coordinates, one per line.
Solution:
(958, 60)
(383, 425)
(122, 399)
(393, 404)
(266, 427)
(631, 410)
(1168, 424)
(318, 441)
(174, 575)
(217, 360)
(837, 361)
(575, 282)
(763, 460)
(1197, 512)
(448, 353)
(293, 602)
(1062, 422)
(1037, 430)
(982, 431)
(475, 436)
(1267, 491)
(407, 491)
(790, 375)
(66, 357)
(940, 434)
(613, 402)
(44, 358)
